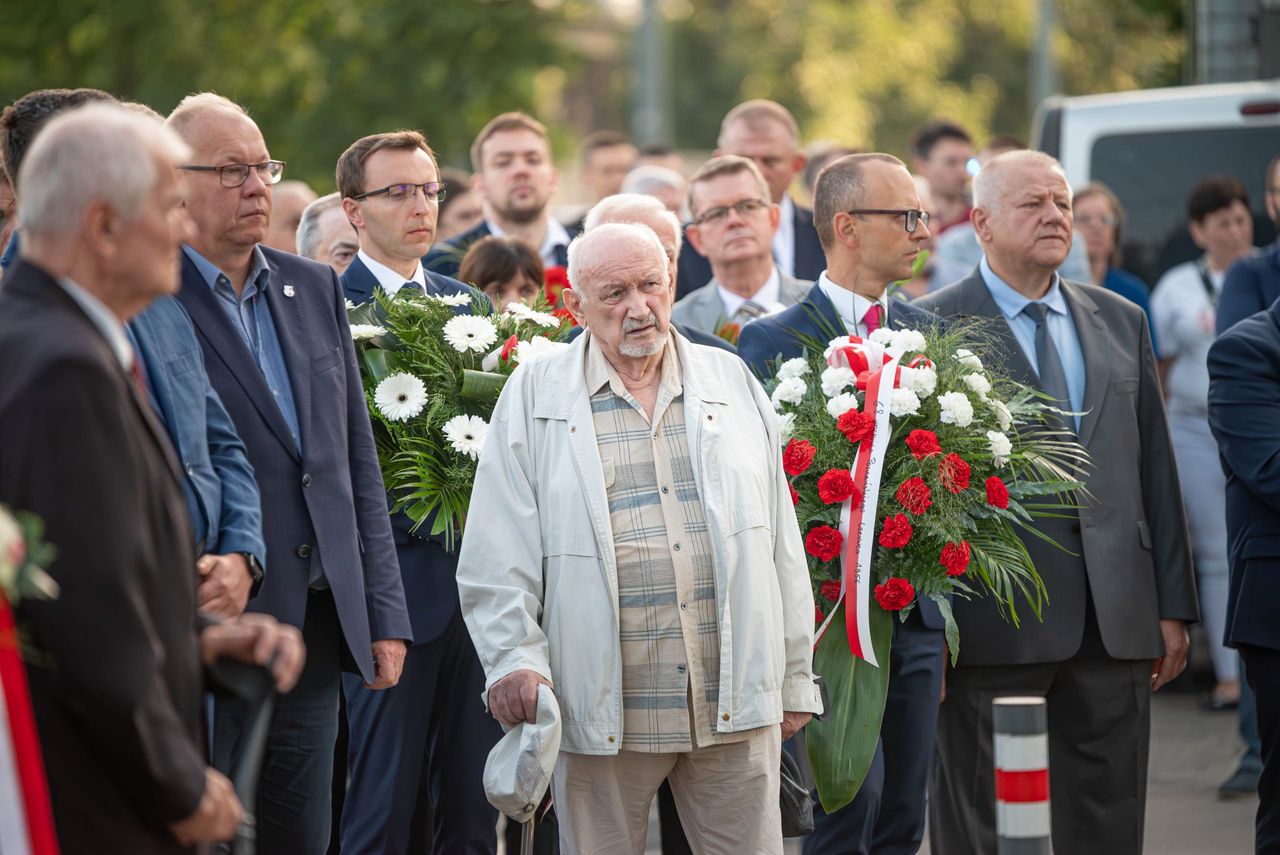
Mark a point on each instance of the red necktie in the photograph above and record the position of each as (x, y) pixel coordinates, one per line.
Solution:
(871, 320)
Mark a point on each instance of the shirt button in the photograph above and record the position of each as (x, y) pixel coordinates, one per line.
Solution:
(530, 806)
(725, 716)
(306, 479)
(304, 551)
(664, 489)
(612, 739)
(676, 547)
(709, 418)
(680, 668)
(573, 429)
(684, 605)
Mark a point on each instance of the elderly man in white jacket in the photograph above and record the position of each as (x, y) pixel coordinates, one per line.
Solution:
(638, 552)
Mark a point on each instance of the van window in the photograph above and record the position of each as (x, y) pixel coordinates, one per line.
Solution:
(1153, 174)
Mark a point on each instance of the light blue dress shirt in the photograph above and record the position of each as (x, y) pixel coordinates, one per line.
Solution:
(1062, 329)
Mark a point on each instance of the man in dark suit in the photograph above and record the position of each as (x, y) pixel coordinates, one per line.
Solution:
(766, 132)
(274, 332)
(866, 252)
(421, 746)
(116, 682)
(1244, 413)
(1253, 283)
(1120, 590)
(516, 177)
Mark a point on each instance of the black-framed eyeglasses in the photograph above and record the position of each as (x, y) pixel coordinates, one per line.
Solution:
(236, 174)
(911, 217)
(746, 206)
(432, 190)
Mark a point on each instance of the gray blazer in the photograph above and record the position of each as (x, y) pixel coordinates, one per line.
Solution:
(1130, 543)
(702, 309)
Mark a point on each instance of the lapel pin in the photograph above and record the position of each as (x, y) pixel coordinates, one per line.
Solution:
(288, 290)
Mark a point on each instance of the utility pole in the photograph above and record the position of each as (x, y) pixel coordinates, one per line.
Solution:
(1044, 68)
(651, 118)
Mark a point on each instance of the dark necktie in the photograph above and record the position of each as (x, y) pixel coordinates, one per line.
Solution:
(1053, 380)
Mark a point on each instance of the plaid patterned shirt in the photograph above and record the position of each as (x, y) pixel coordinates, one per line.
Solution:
(666, 574)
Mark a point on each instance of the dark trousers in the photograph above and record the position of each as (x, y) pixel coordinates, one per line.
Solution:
(888, 814)
(297, 769)
(1262, 671)
(1099, 713)
(420, 748)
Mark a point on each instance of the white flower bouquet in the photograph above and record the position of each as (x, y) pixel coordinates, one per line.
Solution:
(432, 376)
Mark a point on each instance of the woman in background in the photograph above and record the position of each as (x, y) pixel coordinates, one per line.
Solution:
(504, 269)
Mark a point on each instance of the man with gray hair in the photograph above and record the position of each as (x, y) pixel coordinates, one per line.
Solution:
(116, 679)
(326, 235)
(291, 198)
(646, 512)
(666, 185)
(1117, 569)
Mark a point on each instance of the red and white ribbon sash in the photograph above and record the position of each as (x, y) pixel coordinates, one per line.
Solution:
(26, 817)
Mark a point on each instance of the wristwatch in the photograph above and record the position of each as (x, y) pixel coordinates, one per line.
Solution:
(255, 572)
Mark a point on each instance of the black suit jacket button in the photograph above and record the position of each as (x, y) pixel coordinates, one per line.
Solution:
(306, 479)
(304, 551)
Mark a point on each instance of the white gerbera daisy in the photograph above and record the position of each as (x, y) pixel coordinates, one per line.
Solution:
(535, 347)
(520, 310)
(903, 402)
(1004, 418)
(980, 385)
(789, 391)
(364, 332)
(841, 404)
(1001, 447)
(400, 396)
(793, 369)
(469, 332)
(451, 299)
(836, 379)
(466, 434)
(956, 409)
(968, 359)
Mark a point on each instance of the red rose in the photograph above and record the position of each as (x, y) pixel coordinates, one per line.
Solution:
(830, 590)
(836, 485)
(914, 495)
(509, 348)
(795, 497)
(797, 456)
(997, 493)
(896, 532)
(955, 557)
(823, 542)
(895, 594)
(954, 473)
(856, 426)
(923, 443)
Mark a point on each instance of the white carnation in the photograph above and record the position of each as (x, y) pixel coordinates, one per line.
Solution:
(908, 341)
(1003, 417)
(923, 381)
(903, 402)
(786, 426)
(834, 345)
(793, 369)
(466, 434)
(1001, 447)
(978, 384)
(535, 347)
(836, 379)
(882, 336)
(455, 300)
(469, 332)
(400, 396)
(789, 391)
(364, 332)
(841, 404)
(956, 409)
(968, 359)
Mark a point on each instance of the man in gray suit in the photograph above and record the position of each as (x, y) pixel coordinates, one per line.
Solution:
(733, 226)
(1121, 590)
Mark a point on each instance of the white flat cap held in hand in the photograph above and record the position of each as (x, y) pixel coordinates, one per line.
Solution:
(518, 771)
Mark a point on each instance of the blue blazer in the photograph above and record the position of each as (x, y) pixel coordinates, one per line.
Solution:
(1244, 413)
(783, 334)
(328, 497)
(222, 497)
(427, 569)
(1251, 286)
(695, 270)
(446, 258)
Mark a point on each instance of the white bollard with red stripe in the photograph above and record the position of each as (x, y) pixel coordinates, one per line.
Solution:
(1022, 776)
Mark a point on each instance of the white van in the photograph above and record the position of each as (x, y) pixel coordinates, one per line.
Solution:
(1151, 147)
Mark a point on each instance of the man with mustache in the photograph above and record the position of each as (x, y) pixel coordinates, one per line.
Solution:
(516, 177)
(1119, 582)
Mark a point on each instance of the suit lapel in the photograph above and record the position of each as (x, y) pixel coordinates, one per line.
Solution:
(292, 333)
(223, 340)
(358, 282)
(708, 309)
(1095, 344)
(821, 318)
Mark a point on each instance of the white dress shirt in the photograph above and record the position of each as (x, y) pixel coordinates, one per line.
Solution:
(102, 317)
(784, 239)
(556, 236)
(852, 307)
(766, 297)
(391, 281)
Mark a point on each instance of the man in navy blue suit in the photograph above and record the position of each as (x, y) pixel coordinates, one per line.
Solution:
(1253, 283)
(274, 333)
(516, 177)
(766, 132)
(872, 228)
(434, 720)
(1244, 413)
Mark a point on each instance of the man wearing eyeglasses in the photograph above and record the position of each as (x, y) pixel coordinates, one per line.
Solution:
(276, 344)
(733, 226)
(390, 187)
(869, 218)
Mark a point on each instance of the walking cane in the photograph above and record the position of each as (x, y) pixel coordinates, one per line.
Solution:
(255, 688)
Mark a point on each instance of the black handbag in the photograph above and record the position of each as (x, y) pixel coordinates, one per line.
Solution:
(794, 799)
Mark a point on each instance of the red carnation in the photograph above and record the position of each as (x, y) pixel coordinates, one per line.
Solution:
(830, 590)
(954, 473)
(923, 443)
(896, 532)
(797, 456)
(509, 348)
(557, 280)
(836, 485)
(895, 594)
(955, 557)
(823, 542)
(997, 493)
(795, 497)
(817, 615)
(914, 495)
(856, 426)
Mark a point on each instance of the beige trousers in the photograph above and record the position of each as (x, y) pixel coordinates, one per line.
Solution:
(727, 796)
